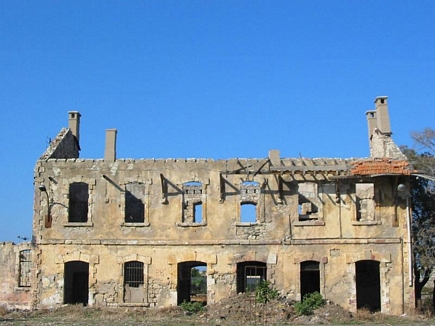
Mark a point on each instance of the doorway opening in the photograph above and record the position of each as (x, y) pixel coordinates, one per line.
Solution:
(310, 277)
(76, 282)
(192, 282)
(368, 285)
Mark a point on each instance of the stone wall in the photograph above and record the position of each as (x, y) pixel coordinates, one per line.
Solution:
(15, 291)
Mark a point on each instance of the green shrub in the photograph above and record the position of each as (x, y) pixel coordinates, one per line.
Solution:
(309, 303)
(264, 292)
(192, 307)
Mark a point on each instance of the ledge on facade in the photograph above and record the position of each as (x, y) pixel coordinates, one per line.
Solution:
(309, 223)
(246, 224)
(78, 224)
(142, 304)
(366, 222)
(187, 224)
(343, 241)
(136, 225)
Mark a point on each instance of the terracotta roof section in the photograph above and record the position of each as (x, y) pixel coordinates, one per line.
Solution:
(381, 166)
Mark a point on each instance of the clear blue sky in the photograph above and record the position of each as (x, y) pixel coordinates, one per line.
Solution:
(206, 79)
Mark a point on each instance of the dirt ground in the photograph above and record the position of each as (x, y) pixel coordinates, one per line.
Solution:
(240, 310)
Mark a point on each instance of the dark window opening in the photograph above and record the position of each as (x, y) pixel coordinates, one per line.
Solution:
(368, 287)
(76, 282)
(310, 277)
(248, 212)
(134, 206)
(24, 272)
(192, 282)
(249, 275)
(78, 202)
(134, 291)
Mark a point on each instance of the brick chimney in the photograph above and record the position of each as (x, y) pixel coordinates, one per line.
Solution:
(74, 123)
(110, 150)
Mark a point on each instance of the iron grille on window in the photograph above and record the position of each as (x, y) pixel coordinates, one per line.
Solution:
(25, 268)
(133, 274)
(253, 276)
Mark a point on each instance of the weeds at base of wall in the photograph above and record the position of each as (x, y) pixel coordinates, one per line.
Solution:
(192, 307)
(309, 303)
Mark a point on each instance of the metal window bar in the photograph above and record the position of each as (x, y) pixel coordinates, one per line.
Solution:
(25, 268)
(253, 276)
(133, 274)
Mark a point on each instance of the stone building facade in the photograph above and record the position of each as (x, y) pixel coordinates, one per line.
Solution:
(128, 232)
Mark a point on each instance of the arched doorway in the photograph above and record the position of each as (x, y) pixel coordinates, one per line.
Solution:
(368, 285)
(192, 282)
(76, 282)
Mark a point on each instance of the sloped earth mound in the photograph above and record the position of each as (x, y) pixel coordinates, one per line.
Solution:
(239, 310)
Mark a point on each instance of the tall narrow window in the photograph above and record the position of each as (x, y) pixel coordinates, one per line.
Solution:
(192, 203)
(134, 291)
(78, 202)
(134, 206)
(249, 197)
(365, 201)
(309, 203)
(25, 268)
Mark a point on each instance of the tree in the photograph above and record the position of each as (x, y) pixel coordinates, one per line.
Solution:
(423, 207)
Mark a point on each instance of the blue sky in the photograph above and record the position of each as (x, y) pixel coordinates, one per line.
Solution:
(206, 79)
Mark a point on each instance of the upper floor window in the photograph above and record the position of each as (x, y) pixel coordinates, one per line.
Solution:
(25, 264)
(310, 206)
(134, 205)
(78, 202)
(250, 192)
(365, 201)
(192, 203)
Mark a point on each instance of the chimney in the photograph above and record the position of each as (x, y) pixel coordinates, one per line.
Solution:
(110, 151)
(274, 157)
(74, 123)
(371, 122)
(383, 119)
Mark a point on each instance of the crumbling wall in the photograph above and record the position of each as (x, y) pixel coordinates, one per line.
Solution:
(12, 295)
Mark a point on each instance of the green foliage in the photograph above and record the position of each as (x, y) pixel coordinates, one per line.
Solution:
(309, 303)
(264, 292)
(192, 307)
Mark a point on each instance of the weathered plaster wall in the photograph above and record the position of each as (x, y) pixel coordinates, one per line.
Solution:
(12, 296)
(279, 238)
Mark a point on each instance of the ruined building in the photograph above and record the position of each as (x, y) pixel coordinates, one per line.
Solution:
(131, 232)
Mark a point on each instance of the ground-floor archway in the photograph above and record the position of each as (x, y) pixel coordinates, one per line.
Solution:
(192, 282)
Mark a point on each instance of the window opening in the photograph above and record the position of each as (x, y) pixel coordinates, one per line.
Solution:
(365, 203)
(134, 206)
(134, 291)
(192, 282)
(308, 201)
(249, 198)
(78, 202)
(310, 277)
(192, 203)
(248, 212)
(76, 282)
(368, 287)
(25, 268)
(249, 275)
